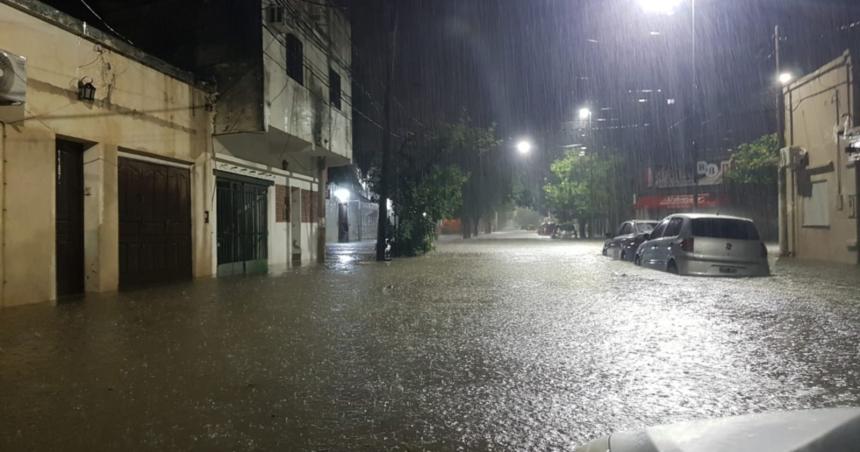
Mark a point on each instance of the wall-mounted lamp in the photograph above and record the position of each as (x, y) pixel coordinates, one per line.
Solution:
(86, 90)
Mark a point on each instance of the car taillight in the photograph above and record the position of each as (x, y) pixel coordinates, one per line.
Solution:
(687, 245)
(763, 250)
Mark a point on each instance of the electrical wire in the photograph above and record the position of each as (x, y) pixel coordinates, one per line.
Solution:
(83, 2)
(311, 32)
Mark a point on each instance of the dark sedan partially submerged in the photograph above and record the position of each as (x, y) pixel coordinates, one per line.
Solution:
(622, 244)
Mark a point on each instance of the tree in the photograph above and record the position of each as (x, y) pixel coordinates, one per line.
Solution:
(489, 183)
(582, 188)
(422, 204)
(756, 162)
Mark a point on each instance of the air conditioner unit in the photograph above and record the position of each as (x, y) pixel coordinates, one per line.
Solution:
(793, 157)
(276, 16)
(13, 79)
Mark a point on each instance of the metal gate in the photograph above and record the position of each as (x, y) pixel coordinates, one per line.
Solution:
(242, 225)
(154, 223)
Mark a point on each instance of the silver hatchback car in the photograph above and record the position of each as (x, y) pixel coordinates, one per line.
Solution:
(705, 245)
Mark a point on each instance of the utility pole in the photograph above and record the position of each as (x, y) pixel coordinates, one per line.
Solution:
(382, 224)
(697, 122)
(780, 98)
(780, 138)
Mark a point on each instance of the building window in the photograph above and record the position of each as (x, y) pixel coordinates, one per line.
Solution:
(295, 59)
(334, 91)
(816, 212)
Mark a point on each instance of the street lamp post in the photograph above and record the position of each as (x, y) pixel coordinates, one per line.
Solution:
(668, 7)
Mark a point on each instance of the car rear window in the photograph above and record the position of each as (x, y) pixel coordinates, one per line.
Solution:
(645, 227)
(724, 228)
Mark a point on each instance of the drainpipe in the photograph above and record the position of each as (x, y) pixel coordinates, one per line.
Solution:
(322, 176)
(3, 214)
(783, 218)
(857, 207)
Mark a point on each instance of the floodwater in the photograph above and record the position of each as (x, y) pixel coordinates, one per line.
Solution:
(508, 343)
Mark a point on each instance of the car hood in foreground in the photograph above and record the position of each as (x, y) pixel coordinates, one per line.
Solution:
(834, 429)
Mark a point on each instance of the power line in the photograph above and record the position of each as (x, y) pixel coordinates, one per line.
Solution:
(83, 2)
(311, 31)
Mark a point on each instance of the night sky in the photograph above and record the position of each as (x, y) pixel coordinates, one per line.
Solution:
(527, 66)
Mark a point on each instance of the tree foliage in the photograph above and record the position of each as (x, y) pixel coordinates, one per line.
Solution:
(439, 173)
(755, 162)
(422, 204)
(582, 186)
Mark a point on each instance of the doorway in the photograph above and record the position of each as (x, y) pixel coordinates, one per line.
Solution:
(242, 224)
(154, 223)
(70, 218)
(343, 222)
(296, 208)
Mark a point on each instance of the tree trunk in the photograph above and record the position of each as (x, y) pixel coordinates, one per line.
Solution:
(466, 227)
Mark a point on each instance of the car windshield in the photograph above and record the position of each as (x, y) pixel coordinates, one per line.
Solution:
(725, 228)
(645, 227)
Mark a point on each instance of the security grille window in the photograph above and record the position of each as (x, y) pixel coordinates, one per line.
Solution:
(334, 91)
(295, 59)
(815, 209)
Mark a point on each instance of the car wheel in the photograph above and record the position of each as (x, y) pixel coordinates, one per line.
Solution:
(623, 256)
(672, 267)
(637, 260)
(604, 251)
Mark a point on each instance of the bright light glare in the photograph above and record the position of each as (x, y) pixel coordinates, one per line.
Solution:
(342, 194)
(785, 78)
(584, 113)
(667, 7)
(524, 147)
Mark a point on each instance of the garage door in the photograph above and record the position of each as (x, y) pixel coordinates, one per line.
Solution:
(154, 223)
(242, 224)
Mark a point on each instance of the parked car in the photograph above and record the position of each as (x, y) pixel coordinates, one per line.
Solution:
(622, 243)
(705, 245)
(547, 228)
(565, 231)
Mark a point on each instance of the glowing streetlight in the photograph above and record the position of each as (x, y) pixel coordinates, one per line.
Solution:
(524, 147)
(785, 78)
(342, 195)
(667, 7)
(584, 113)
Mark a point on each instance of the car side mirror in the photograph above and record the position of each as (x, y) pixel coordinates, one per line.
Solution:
(608, 235)
(646, 236)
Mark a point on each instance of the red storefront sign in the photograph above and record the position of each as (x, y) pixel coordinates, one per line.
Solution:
(679, 201)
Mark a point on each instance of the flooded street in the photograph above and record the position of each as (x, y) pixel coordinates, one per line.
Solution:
(511, 342)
